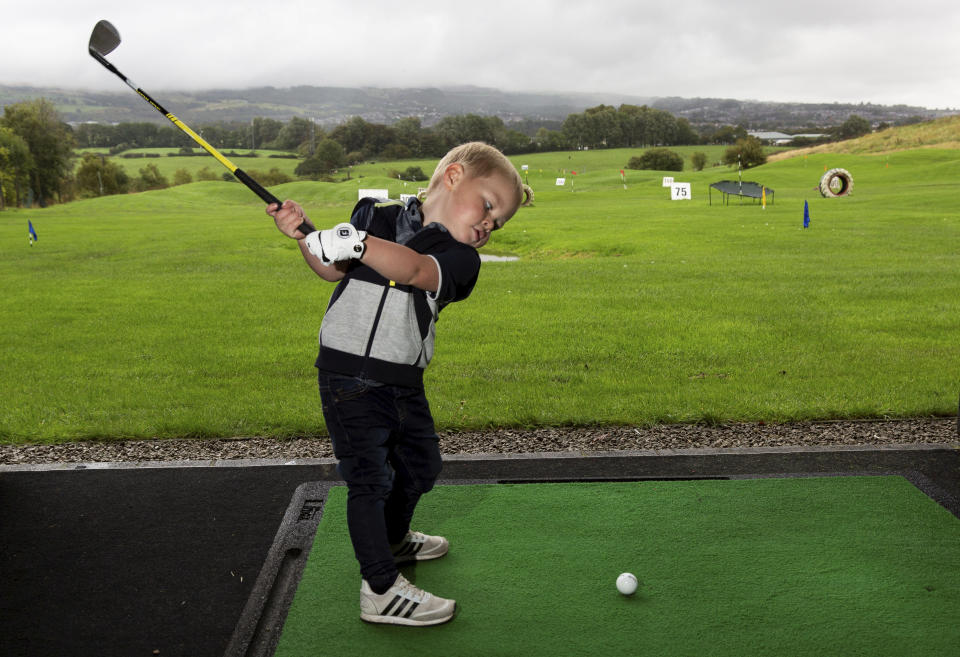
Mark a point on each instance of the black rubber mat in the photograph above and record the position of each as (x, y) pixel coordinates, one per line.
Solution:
(128, 561)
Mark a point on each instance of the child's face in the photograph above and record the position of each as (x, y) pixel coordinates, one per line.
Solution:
(471, 207)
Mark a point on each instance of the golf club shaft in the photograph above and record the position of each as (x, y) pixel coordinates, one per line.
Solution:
(241, 175)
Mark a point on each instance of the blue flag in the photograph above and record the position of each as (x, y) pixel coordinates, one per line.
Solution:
(806, 215)
(33, 233)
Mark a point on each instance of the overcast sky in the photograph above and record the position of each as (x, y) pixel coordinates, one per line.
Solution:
(875, 51)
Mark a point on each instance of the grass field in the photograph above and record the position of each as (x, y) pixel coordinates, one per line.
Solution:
(550, 163)
(729, 568)
(183, 312)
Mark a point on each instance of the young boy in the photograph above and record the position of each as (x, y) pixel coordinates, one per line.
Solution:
(397, 267)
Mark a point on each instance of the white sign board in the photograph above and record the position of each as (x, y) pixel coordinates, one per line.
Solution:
(667, 181)
(373, 193)
(680, 192)
(524, 167)
(561, 182)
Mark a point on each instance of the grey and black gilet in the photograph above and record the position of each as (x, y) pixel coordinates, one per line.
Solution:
(377, 329)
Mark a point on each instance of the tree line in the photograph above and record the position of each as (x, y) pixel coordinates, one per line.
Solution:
(37, 147)
(598, 127)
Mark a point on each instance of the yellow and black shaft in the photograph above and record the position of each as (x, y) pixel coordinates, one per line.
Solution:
(113, 39)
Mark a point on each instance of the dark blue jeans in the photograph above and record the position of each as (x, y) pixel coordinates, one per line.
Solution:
(388, 452)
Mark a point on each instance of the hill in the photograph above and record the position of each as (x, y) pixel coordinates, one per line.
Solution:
(332, 105)
(326, 105)
(939, 133)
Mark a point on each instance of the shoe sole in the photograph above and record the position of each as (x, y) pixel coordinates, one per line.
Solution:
(418, 557)
(394, 620)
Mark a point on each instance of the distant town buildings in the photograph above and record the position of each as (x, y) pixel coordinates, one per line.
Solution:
(781, 138)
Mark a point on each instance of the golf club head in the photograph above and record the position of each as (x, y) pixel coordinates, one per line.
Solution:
(104, 38)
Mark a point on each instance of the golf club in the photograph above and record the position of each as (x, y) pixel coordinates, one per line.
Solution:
(103, 40)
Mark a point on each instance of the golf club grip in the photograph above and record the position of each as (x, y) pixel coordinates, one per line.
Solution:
(267, 197)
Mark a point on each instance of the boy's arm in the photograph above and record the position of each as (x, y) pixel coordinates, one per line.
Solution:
(333, 272)
(389, 259)
(400, 263)
(287, 217)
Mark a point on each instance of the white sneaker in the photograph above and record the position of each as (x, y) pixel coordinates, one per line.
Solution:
(416, 546)
(404, 604)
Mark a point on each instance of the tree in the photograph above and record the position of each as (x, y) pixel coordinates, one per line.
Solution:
(329, 155)
(597, 127)
(16, 167)
(663, 128)
(100, 176)
(219, 136)
(698, 160)
(90, 135)
(206, 174)
(379, 137)
(270, 178)
(455, 130)
(603, 127)
(575, 130)
(853, 127)
(264, 131)
(728, 134)
(297, 131)
(433, 144)
(312, 168)
(657, 159)
(136, 135)
(409, 133)
(550, 140)
(633, 121)
(182, 177)
(414, 174)
(686, 135)
(151, 178)
(746, 153)
(352, 135)
(515, 142)
(396, 152)
(49, 140)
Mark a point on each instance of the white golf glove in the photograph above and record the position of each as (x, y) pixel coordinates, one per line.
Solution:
(342, 242)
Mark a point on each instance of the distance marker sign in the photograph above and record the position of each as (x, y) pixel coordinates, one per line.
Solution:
(680, 192)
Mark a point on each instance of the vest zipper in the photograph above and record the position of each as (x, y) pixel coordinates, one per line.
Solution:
(373, 332)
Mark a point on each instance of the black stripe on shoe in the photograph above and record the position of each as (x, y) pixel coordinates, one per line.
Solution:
(411, 609)
(408, 549)
(396, 599)
(399, 610)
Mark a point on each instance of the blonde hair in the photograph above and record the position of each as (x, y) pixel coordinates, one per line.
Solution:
(479, 160)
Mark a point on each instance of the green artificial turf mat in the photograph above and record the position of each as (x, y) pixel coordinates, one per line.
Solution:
(799, 566)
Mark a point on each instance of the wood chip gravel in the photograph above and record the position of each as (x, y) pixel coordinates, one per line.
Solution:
(513, 441)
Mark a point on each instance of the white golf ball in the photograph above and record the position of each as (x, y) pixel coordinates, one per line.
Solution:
(627, 583)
